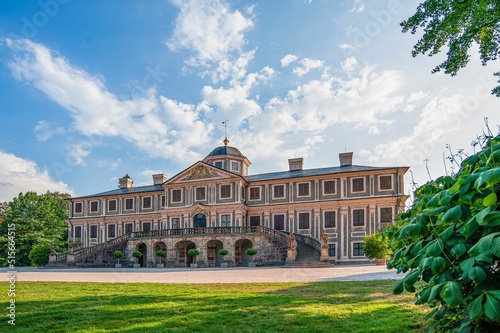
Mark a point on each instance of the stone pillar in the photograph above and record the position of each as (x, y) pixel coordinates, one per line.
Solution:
(70, 257)
(52, 255)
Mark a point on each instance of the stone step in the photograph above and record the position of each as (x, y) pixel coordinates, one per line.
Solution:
(308, 264)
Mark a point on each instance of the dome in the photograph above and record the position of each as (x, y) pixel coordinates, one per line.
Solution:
(225, 150)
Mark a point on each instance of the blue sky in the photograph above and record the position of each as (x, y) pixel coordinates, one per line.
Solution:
(92, 90)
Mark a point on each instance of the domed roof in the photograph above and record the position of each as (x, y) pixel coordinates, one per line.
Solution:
(225, 150)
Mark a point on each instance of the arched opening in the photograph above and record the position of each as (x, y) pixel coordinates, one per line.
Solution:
(214, 259)
(241, 246)
(160, 246)
(144, 250)
(182, 248)
(200, 221)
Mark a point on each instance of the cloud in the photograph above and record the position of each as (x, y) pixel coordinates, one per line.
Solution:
(349, 64)
(288, 59)
(358, 6)
(20, 175)
(44, 130)
(307, 66)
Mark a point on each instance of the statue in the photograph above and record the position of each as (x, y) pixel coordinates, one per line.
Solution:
(293, 242)
(70, 249)
(52, 248)
(324, 239)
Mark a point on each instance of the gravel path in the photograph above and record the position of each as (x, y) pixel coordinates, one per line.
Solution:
(206, 275)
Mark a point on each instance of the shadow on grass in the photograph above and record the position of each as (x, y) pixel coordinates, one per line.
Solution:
(147, 308)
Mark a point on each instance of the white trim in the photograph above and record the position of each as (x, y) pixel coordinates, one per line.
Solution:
(222, 164)
(81, 206)
(364, 185)
(230, 191)
(125, 204)
(150, 201)
(298, 220)
(90, 206)
(324, 219)
(230, 219)
(172, 195)
(352, 249)
(231, 165)
(379, 183)
(116, 205)
(250, 193)
(334, 187)
(196, 193)
(308, 190)
(352, 217)
(284, 191)
(107, 230)
(380, 214)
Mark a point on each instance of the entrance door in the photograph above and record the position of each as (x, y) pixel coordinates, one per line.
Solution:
(200, 221)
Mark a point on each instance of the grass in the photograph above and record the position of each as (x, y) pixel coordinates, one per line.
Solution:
(220, 308)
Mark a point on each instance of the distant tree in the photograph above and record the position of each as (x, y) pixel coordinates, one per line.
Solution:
(457, 24)
(38, 219)
(39, 254)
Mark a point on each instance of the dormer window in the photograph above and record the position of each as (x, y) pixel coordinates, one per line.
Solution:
(218, 164)
(235, 166)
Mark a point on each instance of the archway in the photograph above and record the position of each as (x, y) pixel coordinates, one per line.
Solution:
(182, 248)
(144, 250)
(241, 246)
(213, 257)
(200, 221)
(160, 246)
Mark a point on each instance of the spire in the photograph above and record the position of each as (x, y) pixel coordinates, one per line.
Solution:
(226, 141)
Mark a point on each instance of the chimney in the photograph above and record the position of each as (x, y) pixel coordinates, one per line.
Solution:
(345, 159)
(125, 182)
(296, 163)
(159, 178)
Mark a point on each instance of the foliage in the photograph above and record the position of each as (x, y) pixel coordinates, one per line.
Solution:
(39, 254)
(251, 252)
(361, 306)
(193, 252)
(376, 246)
(118, 255)
(457, 24)
(223, 252)
(450, 241)
(161, 253)
(35, 219)
(137, 254)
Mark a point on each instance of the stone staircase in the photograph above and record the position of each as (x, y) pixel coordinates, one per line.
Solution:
(307, 257)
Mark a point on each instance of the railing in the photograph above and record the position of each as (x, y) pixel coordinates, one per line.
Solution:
(87, 251)
(308, 241)
(61, 256)
(280, 236)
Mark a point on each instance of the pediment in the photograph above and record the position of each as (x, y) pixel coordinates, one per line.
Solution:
(200, 171)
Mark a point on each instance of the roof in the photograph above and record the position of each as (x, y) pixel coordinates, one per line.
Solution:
(313, 172)
(138, 189)
(225, 150)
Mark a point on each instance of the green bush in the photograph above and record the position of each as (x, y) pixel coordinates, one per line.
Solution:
(118, 255)
(223, 252)
(376, 246)
(137, 254)
(161, 253)
(39, 255)
(251, 252)
(193, 252)
(449, 245)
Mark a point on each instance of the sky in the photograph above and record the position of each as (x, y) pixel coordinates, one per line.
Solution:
(93, 90)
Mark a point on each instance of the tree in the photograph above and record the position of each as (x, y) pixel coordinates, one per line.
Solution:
(376, 246)
(449, 244)
(458, 24)
(37, 219)
(39, 254)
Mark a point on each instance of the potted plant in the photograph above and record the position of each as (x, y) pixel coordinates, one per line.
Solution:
(137, 255)
(251, 252)
(223, 252)
(118, 255)
(161, 254)
(193, 253)
(376, 247)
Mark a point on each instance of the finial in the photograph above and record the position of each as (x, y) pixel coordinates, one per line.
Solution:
(226, 141)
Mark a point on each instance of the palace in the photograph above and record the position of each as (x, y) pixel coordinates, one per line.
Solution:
(287, 216)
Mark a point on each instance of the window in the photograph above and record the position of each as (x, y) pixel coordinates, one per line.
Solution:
(78, 208)
(358, 217)
(329, 187)
(176, 223)
(218, 164)
(176, 195)
(111, 230)
(303, 220)
(146, 202)
(278, 191)
(329, 219)
(235, 166)
(243, 192)
(163, 201)
(386, 215)
(112, 205)
(200, 193)
(146, 226)
(385, 182)
(78, 231)
(303, 189)
(225, 220)
(254, 221)
(94, 206)
(279, 222)
(331, 250)
(358, 185)
(225, 191)
(129, 203)
(93, 231)
(254, 193)
(357, 250)
(129, 227)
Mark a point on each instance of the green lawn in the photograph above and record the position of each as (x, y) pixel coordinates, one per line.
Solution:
(221, 308)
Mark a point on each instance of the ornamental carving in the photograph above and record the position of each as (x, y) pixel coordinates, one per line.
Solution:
(201, 172)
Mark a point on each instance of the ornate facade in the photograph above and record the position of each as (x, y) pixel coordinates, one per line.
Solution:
(340, 204)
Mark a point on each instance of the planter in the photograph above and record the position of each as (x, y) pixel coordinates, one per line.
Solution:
(160, 265)
(137, 265)
(251, 264)
(223, 265)
(380, 261)
(194, 265)
(118, 265)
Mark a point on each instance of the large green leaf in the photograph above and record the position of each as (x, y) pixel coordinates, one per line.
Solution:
(490, 199)
(469, 228)
(399, 288)
(446, 233)
(490, 177)
(495, 247)
(412, 278)
(423, 296)
(438, 265)
(477, 274)
(458, 249)
(481, 215)
(475, 307)
(451, 293)
(492, 308)
(452, 214)
(435, 248)
(483, 244)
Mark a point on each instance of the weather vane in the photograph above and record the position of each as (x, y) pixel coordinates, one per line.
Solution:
(226, 141)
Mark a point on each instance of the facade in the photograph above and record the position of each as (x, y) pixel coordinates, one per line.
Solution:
(345, 202)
